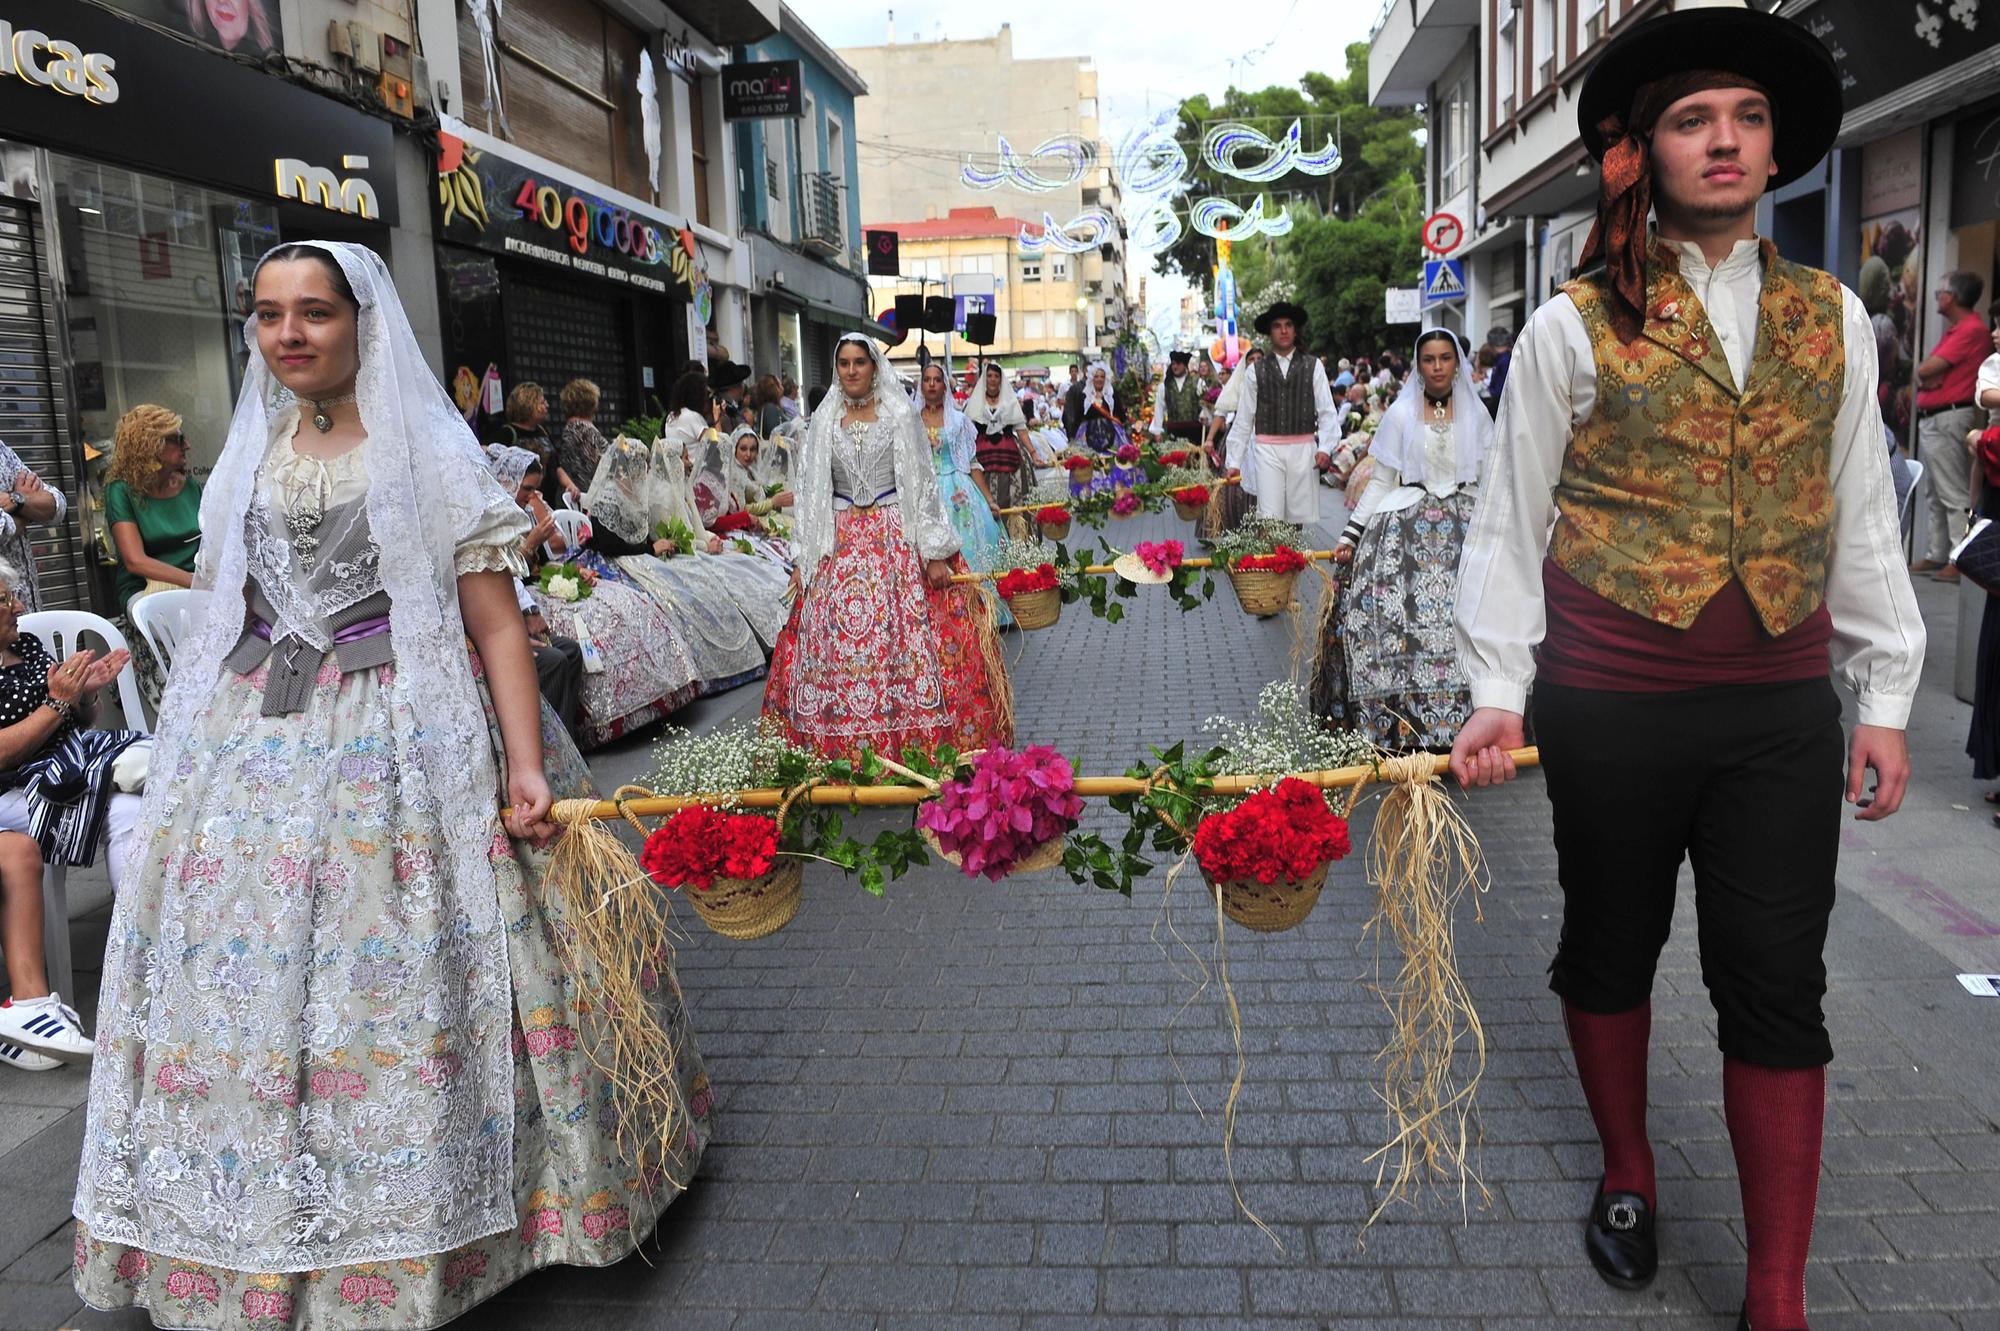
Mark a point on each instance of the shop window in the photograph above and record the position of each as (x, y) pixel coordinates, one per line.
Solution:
(790, 347)
(157, 277)
(698, 136)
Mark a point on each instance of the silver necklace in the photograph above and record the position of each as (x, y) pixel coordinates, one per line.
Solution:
(322, 410)
(1439, 406)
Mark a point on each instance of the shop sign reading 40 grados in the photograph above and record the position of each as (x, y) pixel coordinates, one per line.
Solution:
(472, 185)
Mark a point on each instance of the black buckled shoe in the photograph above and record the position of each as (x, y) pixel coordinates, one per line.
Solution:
(1618, 1236)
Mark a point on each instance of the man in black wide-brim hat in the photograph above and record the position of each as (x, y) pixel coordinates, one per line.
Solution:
(1285, 421)
(1688, 518)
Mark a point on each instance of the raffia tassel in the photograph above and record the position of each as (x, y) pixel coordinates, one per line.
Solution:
(1422, 856)
(615, 928)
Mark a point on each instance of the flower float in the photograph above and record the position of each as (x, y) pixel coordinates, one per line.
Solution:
(1010, 813)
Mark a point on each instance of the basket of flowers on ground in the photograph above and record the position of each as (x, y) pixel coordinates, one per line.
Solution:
(1026, 579)
(1264, 560)
(1003, 812)
(1054, 521)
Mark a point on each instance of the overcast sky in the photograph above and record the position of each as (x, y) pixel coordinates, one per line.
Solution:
(1149, 56)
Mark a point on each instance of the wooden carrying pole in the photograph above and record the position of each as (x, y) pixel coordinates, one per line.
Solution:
(1203, 562)
(1098, 786)
(1036, 508)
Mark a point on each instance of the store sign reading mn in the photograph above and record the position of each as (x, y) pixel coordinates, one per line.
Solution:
(764, 90)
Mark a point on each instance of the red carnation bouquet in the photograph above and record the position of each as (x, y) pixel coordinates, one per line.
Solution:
(1177, 458)
(1052, 513)
(1284, 559)
(1016, 581)
(697, 846)
(1192, 496)
(1284, 834)
(1074, 463)
(734, 520)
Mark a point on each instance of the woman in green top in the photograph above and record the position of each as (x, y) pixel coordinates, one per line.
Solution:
(154, 506)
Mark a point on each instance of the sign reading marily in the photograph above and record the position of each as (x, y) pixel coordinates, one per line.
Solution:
(767, 90)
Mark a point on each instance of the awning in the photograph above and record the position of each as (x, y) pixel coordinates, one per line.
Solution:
(846, 320)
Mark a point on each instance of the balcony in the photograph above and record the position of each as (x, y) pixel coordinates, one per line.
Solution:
(822, 220)
(1417, 39)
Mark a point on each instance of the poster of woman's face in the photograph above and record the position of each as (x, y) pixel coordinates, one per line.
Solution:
(241, 27)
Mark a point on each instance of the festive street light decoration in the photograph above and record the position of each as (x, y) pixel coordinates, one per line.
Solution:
(1151, 161)
(1080, 235)
(1216, 218)
(1226, 139)
(1072, 152)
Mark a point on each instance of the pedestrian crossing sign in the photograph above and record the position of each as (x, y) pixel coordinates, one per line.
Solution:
(1444, 280)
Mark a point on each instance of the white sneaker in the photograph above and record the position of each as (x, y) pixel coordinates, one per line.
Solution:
(14, 1056)
(45, 1026)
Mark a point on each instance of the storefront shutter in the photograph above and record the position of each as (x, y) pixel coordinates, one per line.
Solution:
(29, 419)
(556, 334)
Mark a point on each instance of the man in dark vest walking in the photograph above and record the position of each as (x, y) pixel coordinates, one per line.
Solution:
(1688, 524)
(1285, 419)
(1177, 406)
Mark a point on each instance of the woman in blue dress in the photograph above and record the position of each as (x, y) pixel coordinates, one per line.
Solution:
(961, 482)
(1102, 432)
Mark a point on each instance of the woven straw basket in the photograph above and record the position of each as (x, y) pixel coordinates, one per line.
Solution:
(745, 908)
(1270, 908)
(1055, 531)
(1037, 610)
(1048, 855)
(1261, 592)
(1189, 512)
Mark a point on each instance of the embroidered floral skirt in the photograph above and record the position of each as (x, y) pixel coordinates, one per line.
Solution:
(1389, 655)
(206, 1135)
(873, 656)
(648, 672)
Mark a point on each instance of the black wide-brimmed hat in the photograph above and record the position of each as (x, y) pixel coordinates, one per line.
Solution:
(1180, 356)
(1781, 56)
(727, 375)
(1283, 309)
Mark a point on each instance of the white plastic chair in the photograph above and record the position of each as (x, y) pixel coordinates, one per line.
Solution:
(571, 524)
(62, 631)
(164, 618)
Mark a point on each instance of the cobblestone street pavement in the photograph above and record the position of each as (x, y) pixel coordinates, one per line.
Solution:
(981, 1105)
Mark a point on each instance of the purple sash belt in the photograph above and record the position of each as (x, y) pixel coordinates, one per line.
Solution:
(361, 641)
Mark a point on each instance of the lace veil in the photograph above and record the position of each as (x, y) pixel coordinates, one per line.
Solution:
(1108, 396)
(620, 496)
(510, 464)
(995, 417)
(812, 533)
(1399, 443)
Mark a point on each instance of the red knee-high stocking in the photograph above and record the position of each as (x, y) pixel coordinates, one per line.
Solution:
(1611, 1063)
(1777, 1118)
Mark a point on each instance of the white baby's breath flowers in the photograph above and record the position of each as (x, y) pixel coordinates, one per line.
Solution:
(1284, 736)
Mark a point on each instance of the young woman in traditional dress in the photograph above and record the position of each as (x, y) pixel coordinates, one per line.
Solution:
(625, 502)
(644, 667)
(346, 1082)
(1101, 431)
(1004, 471)
(757, 582)
(1388, 663)
(882, 648)
(961, 482)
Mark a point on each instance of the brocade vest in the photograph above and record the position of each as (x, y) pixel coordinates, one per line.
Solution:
(1678, 482)
(1285, 401)
(1183, 399)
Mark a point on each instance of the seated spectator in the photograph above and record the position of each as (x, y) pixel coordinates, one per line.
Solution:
(38, 1031)
(153, 505)
(49, 756)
